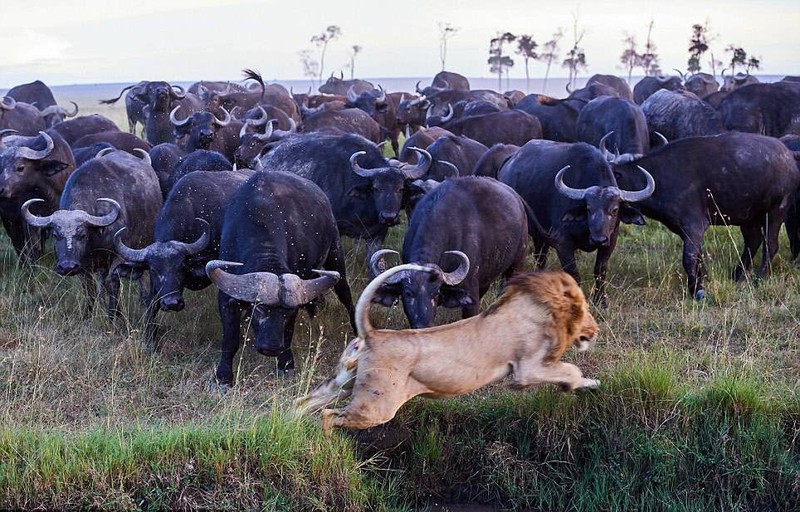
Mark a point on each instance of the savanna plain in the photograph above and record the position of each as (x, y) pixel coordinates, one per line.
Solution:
(699, 407)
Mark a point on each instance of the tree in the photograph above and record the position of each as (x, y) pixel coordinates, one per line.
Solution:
(649, 57)
(446, 31)
(630, 58)
(526, 47)
(310, 66)
(738, 56)
(499, 63)
(550, 54)
(752, 63)
(699, 44)
(321, 40)
(576, 59)
(354, 50)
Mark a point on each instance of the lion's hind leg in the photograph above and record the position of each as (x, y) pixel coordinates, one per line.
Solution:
(338, 387)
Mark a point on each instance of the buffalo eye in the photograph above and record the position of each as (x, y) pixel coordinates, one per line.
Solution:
(615, 211)
(20, 168)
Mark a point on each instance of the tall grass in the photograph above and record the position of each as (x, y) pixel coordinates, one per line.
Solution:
(698, 408)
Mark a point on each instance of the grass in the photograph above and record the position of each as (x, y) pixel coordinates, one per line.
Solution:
(699, 405)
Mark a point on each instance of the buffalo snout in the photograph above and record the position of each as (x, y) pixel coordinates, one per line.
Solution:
(389, 218)
(172, 303)
(67, 268)
(600, 240)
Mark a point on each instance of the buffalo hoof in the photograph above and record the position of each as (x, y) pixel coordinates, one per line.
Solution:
(288, 373)
(215, 386)
(700, 295)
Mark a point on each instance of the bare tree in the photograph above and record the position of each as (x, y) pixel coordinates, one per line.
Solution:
(321, 40)
(649, 57)
(499, 63)
(354, 51)
(630, 58)
(576, 59)
(526, 47)
(446, 31)
(310, 66)
(550, 54)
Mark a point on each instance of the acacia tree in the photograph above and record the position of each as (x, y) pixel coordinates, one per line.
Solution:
(649, 57)
(698, 45)
(576, 59)
(752, 63)
(738, 56)
(526, 47)
(550, 54)
(446, 31)
(630, 58)
(499, 63)
(354, 51)
(321, 41)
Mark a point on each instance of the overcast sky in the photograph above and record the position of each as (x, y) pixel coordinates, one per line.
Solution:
(91, 41)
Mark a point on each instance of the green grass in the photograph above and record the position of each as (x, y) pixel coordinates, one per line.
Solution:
(699, 405)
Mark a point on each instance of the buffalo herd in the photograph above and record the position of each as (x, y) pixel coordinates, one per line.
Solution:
(252, 187)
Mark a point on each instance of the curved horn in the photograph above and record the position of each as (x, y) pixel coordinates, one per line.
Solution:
(364, 173)
(663, 78)
(681, 74)
(363, 325)
(723, 73)
(449, 115)
(602, 146)
(660, 135)
(568, 87)
(424, 163)
(376, 256)
(34, 220)
(267, 135)
(382, 97)
(128, 254)
(352, 97)
(109, 218)
(261, 287)
(641, 195)
(261, 120)
(419, 91)
(8, 103)
(296, 291)
(32, 154)
(572, 193)
(103, 152)
(5, 132)
(174, 121)
(175, 94)
(459, 274)
(222, 122)
(452, 166)
(72, 114)
(341, 75)
(202, 242)
(144, 155)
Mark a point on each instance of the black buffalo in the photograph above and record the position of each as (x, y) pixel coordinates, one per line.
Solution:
(623, 119)
(73, 129)
(36, 93)
(650, 84)
(351, 120)
(280, 242)
(505, 127)
(204, 130)
(186, 237)
(472, 231)
(680, 114)
(490, 162)
(21, 117)
(574, 194)
(732, 179)
(767, 109)
(100, 197)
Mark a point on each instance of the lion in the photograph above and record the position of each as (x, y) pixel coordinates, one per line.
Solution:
(523, 334)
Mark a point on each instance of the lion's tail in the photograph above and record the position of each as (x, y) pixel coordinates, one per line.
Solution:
(337, 387)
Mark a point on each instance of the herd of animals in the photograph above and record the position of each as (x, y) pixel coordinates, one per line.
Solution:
(251, 187)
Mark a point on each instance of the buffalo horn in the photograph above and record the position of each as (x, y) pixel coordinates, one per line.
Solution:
(456, 173)
(660, 135)
(175, 94)
(174, 121)
(8, 103)
(681, 74)
(110, 217)
(641, 195)
(5, 132)
(458, 275)
(449, 115)
(364, 173)
(222, 122)
(382, 97)
(72, 114)
(352, 97)
(296, 291)
(423, 165)
(35, 220)
(202, 242)
(32, 154)
(144, 155)
(602, 146)
(376, 257)
(419, 91)
(571, 193)
(128, 254)
(103, 152)
(261, 287)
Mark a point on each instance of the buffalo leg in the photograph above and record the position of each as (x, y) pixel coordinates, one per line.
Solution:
(793, 225)
(150, 326)
(773, 226)
(566, 254)
(229, 313)
(693, 262)
(600, 268)
(90, 291)
(752, 240)
(112, 286)
(286, 358)
(375, 243)
(335, 262)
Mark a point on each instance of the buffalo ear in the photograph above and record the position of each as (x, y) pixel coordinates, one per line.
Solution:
(577, 214)
(455, 298)
(387, 295)
(52, 167)
(359, 191)
(382, 107)
(631, 215)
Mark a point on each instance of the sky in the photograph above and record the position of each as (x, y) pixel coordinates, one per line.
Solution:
(100, 41)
